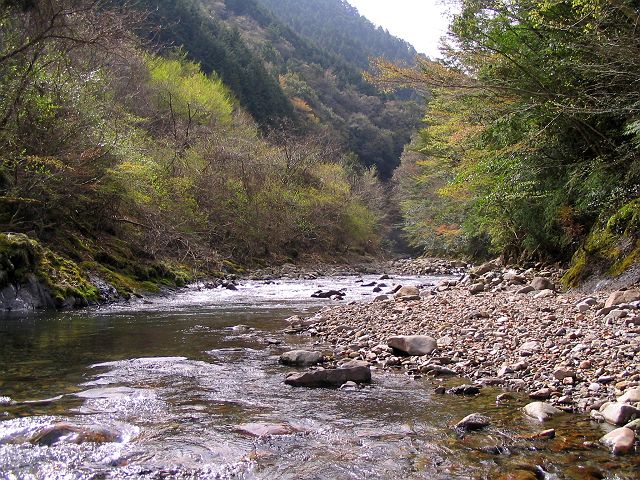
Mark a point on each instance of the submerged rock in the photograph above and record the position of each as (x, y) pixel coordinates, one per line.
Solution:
(329, 377)
(68, 433)
(301, 358)
(541, 411)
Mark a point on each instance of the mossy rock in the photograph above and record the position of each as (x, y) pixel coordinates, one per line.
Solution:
(611, 249)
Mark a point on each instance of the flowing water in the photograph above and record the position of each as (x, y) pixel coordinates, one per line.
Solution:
(157, 390)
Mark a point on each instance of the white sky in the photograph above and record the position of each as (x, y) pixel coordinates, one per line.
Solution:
(420, 22)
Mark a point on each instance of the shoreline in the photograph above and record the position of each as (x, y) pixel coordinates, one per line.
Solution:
(562, 348)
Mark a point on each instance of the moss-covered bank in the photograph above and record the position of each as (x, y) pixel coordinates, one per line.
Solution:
(611, 249)
(80, 273)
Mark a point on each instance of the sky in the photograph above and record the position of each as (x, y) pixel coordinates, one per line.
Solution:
(420, 22)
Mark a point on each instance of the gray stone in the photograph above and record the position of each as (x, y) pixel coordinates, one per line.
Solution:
(542, 283)
(413, 344)
(530, 347)
(475, 421)
(329, 378)
(618, 413)
(620, 440)
(476, 288)
(541, 411)
(301, 358)
(544, 293)
(622, 296)
(381, 298)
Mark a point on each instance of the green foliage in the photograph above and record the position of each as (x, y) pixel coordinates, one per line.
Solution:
(535, 106)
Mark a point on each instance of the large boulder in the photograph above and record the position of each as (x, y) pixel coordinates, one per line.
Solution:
(301, 358)
(407, 292)
(541, 411)
(329, 377)
(630, 396)
(413, 344)
(622, 296)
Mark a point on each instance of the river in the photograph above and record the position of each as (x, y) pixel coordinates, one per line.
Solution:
(171, 379)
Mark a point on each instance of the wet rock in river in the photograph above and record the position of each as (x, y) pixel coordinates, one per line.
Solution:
(620, 440)
(464, 390)
(329, 377)
(68, 433)
(541, 411)
(475, 421)
(414, 345)
(301, 358)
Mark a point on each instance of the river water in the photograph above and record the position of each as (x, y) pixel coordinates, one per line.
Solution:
(165, 384)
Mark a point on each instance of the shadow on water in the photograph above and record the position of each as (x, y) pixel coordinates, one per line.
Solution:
(162, 389)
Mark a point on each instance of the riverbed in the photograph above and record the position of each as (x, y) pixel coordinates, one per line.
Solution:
(173, 380)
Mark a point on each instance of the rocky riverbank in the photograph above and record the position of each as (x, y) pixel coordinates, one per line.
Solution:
(501, 327)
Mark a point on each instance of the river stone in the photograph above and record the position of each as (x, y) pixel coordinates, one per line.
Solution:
(301, 358)
(476, 288)
(67, 433)
(542, 283)
(407, 291)
(546, 293)
(475, 421)
(464, 390)
(330, 377)
(622, 296)
(630, 396)
(620, 440)
(618, 413)
(541, 411)
(413, 344)
(530, 347)
(526, 289)
(562, 373)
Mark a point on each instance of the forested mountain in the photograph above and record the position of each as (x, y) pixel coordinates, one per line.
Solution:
(337, 27)
(259, 58)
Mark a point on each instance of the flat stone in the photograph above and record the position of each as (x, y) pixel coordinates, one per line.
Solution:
(301, 358)
(541, 411)
(620, 440)
(541, 394)
(464, 390)
(414, 345)
(622, 296)
(618, 413)
(476, 288)
(544, 293)
(330, 377)
(475, 421)
(67, 433)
